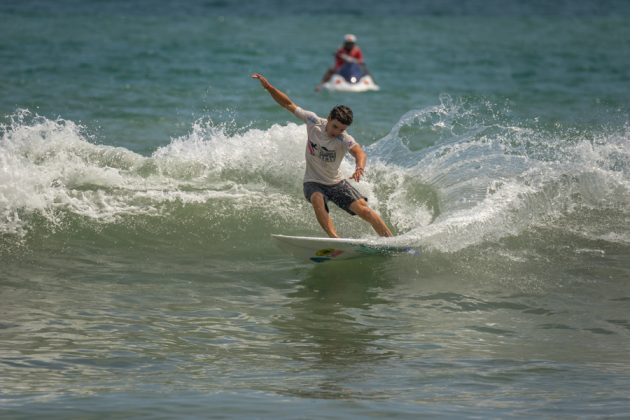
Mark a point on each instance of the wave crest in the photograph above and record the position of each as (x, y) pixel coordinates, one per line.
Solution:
(445, 177)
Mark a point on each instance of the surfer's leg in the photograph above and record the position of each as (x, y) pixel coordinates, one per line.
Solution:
(361, 208)
(319, 205)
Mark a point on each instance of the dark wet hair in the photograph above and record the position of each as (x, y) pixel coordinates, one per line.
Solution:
(341, 113)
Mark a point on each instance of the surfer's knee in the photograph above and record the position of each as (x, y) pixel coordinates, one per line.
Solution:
(317, 198)
(318, 201)
(361, 209)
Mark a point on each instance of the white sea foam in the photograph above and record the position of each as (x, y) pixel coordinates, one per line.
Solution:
(50, 165)
(496, 181)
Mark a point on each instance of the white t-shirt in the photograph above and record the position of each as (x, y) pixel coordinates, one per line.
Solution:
(323, 153)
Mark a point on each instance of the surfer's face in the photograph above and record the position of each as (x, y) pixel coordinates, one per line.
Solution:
(334, 128)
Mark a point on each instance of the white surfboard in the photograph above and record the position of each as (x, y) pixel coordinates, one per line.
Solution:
(328, 249)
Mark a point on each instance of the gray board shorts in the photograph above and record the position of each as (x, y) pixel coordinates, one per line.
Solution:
(342, 194)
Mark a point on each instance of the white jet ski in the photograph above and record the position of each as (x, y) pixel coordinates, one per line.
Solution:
(351, 77)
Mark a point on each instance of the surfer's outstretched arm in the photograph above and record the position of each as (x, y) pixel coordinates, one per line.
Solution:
(280, 97)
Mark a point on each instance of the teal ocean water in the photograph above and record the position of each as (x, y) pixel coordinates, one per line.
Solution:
(142, 173)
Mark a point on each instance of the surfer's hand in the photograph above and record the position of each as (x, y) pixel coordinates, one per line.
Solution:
(358, 173)
(263, 81)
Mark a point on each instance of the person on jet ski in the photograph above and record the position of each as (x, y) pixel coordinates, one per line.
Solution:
(349, 52)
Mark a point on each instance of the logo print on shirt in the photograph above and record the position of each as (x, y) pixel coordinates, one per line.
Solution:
(327, 155)
(324, 154)
(311, 147)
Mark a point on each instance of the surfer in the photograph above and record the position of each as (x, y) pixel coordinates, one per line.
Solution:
(326, 145)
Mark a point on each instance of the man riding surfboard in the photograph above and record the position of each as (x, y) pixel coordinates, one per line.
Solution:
(326, 146)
